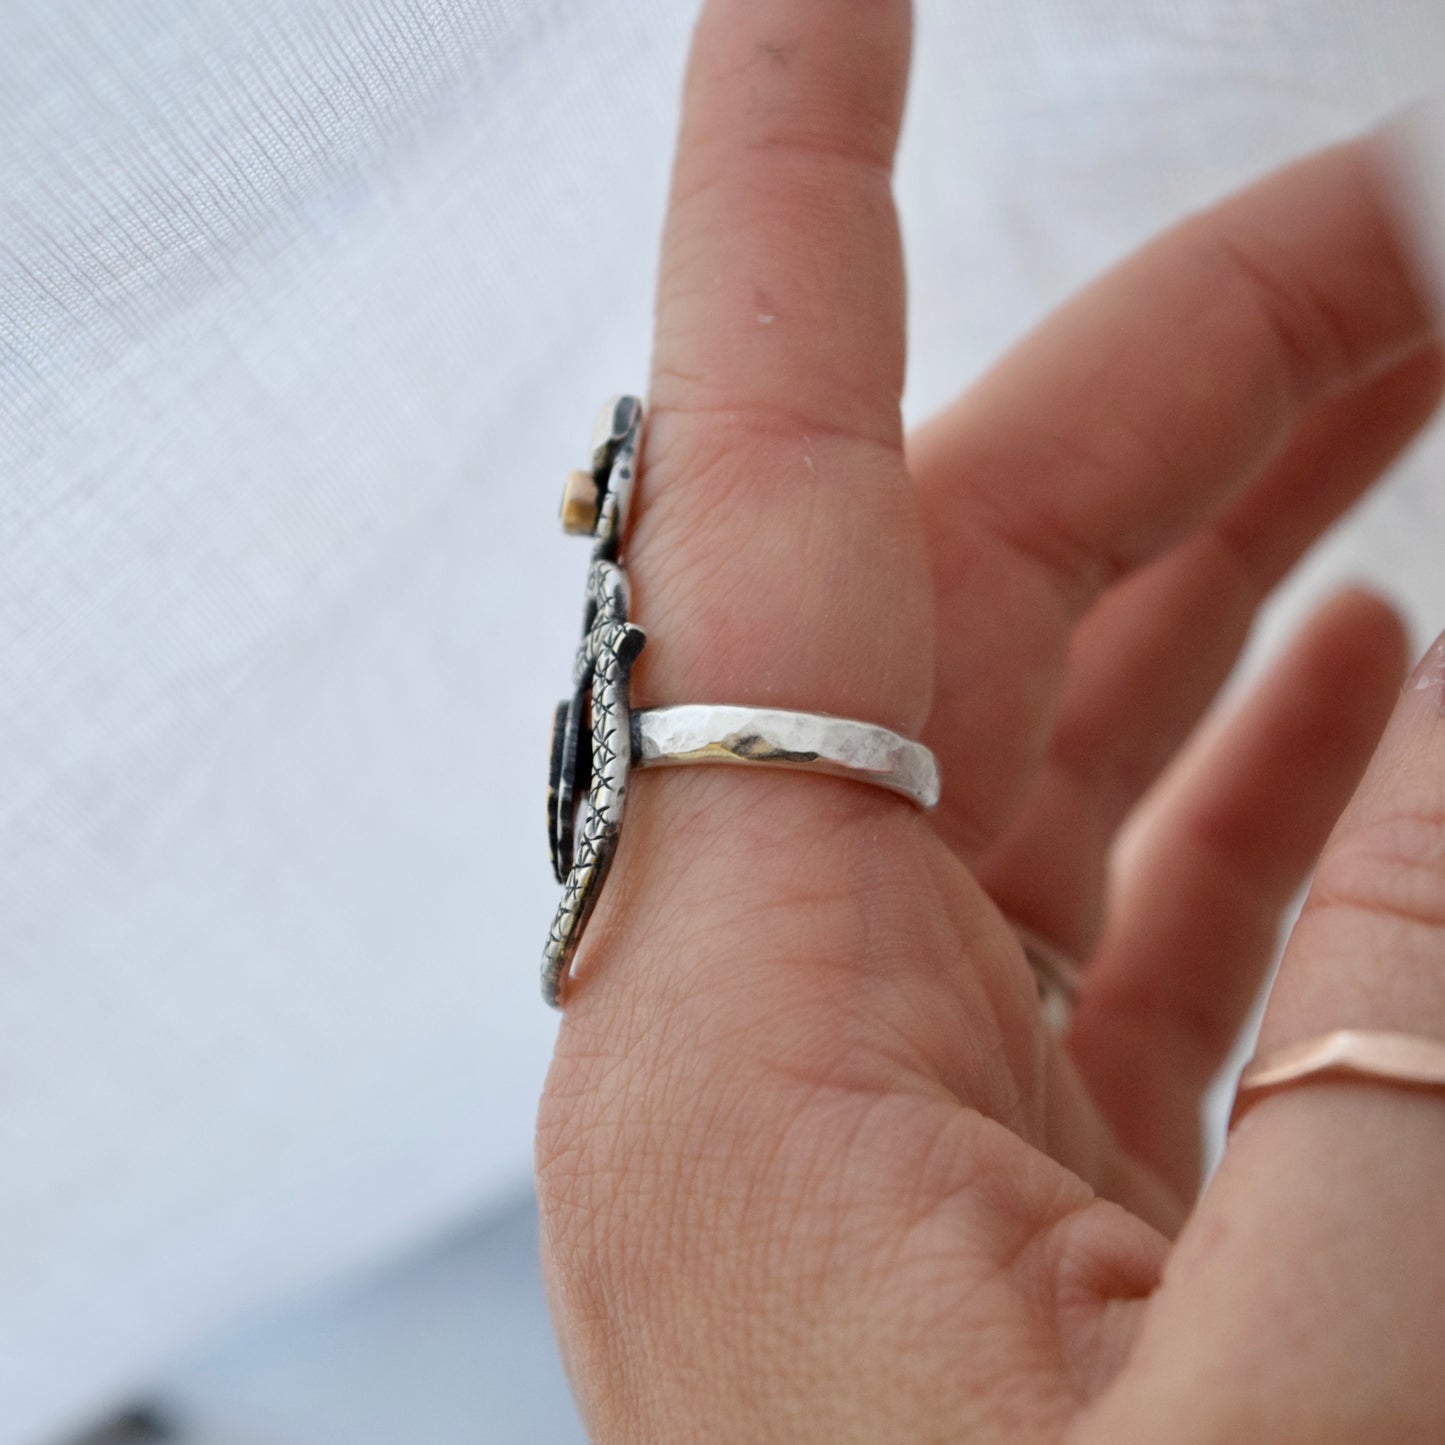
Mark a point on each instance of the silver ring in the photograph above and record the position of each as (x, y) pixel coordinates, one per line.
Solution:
(807, 742)
(597, 738)
(1055, 973)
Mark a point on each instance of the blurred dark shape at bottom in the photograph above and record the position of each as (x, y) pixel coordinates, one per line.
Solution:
(135, 1427)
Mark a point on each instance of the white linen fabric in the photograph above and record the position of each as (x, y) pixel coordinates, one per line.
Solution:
(305, 306)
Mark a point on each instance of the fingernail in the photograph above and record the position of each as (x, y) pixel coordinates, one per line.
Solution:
(1429, 676)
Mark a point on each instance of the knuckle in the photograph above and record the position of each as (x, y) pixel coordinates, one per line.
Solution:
(1311, 341)
(1393, 866)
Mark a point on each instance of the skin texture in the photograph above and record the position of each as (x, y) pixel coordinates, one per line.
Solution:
(809, 1168)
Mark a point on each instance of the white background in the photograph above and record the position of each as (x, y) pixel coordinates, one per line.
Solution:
(305, 307)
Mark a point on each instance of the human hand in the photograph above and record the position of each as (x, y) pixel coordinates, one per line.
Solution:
(809, 1166)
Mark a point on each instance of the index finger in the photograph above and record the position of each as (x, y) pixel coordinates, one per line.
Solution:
(776, 557)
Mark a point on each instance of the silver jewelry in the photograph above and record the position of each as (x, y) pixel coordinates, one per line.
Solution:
(1056, 974)
(597, 738)
(807, 742)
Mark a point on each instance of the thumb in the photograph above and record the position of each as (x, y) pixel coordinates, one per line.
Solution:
(1310, 1279)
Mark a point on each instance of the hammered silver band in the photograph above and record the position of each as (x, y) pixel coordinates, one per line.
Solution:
(682, 736)
(670, 737)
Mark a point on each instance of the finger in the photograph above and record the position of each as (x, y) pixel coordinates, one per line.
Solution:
(754, 1108)
(1130, 419)
(1368, 939)
(774, 556)
(761, 929)
(1150, 656)
(1207, 872)
(1311, 1275)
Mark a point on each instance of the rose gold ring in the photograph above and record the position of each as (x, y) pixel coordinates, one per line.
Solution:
(1404, 1060)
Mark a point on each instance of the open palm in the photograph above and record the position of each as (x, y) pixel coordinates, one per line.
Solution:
(811, 1168)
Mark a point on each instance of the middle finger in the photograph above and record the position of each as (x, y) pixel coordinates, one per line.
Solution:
(1151, 656)
(1141, 411)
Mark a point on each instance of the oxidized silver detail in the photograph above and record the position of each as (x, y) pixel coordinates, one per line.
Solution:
(613, 646)
(803, 741)
(616, 440)
(591, 743)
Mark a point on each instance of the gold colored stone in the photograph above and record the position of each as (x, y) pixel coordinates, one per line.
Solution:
(579, 504)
